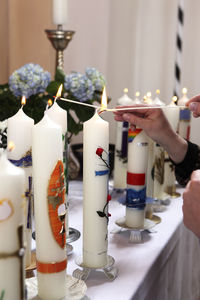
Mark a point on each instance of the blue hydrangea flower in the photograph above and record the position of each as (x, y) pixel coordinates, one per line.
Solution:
(96, 77)
(80, 86)
(29, 80)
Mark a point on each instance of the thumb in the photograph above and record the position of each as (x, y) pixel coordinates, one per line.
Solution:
(195, 175)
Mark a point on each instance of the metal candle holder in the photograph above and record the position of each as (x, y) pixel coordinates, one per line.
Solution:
(60, 39)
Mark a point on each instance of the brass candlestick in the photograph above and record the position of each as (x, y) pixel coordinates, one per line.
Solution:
(59, 39)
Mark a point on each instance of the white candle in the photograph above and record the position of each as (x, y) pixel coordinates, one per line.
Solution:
(95, 187)
(49, 200)
(157, 100)
(11, 230)
(59, 116)
(136, 178)
(20, 133)
(121, 146)
(59, 12)
(184, 118)
(169, 172)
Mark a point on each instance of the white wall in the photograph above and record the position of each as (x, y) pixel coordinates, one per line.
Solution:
(132, 43)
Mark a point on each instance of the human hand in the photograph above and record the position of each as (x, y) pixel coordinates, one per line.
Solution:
(191, 204)
(152, 121)
(194, 105)
(156, 126)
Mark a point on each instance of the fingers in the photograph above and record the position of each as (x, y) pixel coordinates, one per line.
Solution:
(194, 105)
(195, 175)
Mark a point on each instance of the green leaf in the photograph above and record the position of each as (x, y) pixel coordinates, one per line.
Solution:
(60, 75)
(53, 87)
(73, 127)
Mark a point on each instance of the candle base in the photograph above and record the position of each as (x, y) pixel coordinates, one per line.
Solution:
(136, 233)
(109, 269)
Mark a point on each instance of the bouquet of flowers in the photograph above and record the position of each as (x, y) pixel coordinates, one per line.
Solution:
(36, 84)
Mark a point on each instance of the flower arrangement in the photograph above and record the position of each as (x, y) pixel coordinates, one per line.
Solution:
(35, 83)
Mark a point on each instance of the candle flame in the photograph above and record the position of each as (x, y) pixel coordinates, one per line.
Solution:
(11, 146)
(125, 90)
(104, 100)
(149, 94)
(59, 92)
(50, 102)
(145, 98)
(157, 91)
(174, 99)
(184, 91)
(23, 100)
(137, 94)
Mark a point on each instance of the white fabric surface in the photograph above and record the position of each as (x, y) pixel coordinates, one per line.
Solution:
(166, 266)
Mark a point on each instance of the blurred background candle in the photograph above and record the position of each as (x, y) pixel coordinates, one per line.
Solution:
(95, 190)
(157, 100)
(60, 12)
(12, 181)
(136, 178)
(121, 146)
(49, 205)
(20, 133)
(185, 117)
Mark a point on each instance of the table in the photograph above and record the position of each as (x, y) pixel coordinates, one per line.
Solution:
(165, 266)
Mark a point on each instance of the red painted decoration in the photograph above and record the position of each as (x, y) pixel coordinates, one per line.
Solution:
(135, 179)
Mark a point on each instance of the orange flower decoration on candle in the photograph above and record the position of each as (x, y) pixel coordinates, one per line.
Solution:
(56, 199)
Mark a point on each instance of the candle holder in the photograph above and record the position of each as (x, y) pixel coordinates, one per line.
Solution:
(136, 233)
(59, 39)
(109, 269)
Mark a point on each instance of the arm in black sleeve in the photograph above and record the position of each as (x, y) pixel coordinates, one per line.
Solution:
(190, 163)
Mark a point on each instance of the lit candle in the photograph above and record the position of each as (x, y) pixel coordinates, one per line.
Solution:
(49, 207)
(136, 178)
(11, 230)
(59, 116)
(95, 190)
(59, 12)
(157, 100)
(184, 118)
(121, 146)
(20, 133)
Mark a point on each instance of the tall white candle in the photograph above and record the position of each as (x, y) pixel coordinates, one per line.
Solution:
(136, 178)
(121, 146)
(20, 133)
(95, 187)
(11, 230)
(49, 200)
(59, 116)
(185, 117)
(169, 172)
(59, 12)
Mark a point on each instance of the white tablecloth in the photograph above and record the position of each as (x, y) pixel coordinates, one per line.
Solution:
(166, 266)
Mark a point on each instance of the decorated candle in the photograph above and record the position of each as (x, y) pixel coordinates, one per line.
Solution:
(11, 230)
(184, 117)
(59, 116)
(95, 191)
(20, 133)
(49, 207)
(59, 12)
(136, 178)
(157, 172)
(121, 146)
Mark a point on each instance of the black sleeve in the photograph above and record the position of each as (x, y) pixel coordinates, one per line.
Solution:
(190, 163)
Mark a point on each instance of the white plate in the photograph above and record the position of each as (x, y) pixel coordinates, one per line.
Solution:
(76, 288)
(148, 224)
